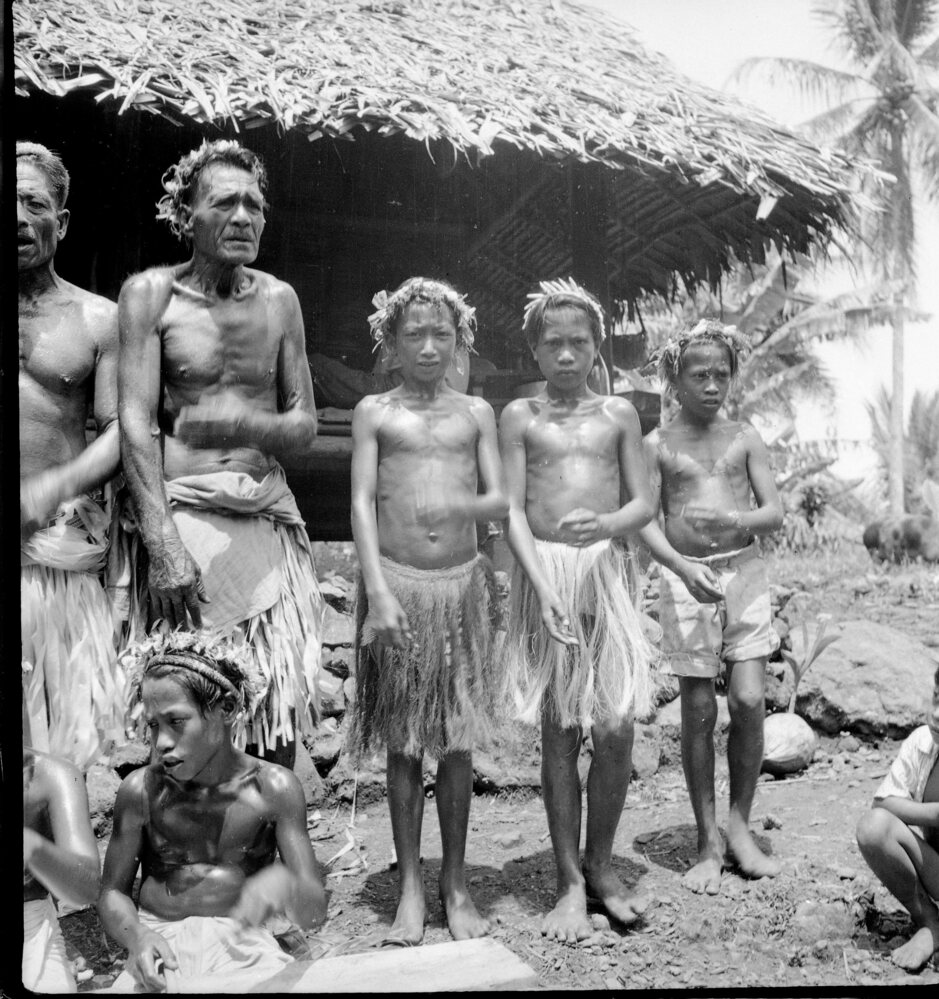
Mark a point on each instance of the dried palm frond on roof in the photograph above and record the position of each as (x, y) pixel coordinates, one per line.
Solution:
(551, 76)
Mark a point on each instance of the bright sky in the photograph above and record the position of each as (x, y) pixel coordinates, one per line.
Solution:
(706, 39)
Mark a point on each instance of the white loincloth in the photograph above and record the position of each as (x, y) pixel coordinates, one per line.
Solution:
(214, 952)
(46, 966)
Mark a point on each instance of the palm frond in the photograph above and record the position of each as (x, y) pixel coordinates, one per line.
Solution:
(914, 19)
(924, 151)
(832, 125)
(929, 56)
(811, 80)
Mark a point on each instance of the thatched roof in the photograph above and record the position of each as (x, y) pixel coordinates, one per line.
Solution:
(696, 171)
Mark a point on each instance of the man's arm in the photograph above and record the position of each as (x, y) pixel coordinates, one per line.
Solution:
(388, 617)
(588, 526)
(521, 541)
(67, 865)
(492, 504)
(701, 582)
(768, 515)
(226, 420)
(295, 886)
(174, 579)
(41, 494)
(914, 813)
(116, 909)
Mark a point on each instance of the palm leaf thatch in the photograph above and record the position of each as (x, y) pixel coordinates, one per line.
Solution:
(693, 177)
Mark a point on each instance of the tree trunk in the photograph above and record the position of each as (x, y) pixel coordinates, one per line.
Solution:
(895, 491)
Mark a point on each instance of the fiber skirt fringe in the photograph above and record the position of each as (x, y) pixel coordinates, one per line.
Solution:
(608, 675)
(440, 694)
(286, 639)
(74, 690)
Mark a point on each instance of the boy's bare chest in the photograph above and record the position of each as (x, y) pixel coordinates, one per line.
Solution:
(227, 343)
(556, 441)
(687, 459)
(430, 431)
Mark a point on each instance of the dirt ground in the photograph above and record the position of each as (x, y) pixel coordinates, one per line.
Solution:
(823, 922)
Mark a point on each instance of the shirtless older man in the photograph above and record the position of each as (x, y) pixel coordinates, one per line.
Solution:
(73, 690)
(214, 389)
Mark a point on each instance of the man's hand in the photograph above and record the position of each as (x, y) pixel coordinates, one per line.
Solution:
(176, 587)
(265, 894)
(701, 582)
(556, 621)
(708, 521)
(218, 420)
(39, 500)
(388, 622)
(143, 960)
(583, 527)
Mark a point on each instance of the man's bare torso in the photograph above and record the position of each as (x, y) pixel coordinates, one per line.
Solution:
(427, 462)
(229, 345)
(201, 844)
(60, 334)
(572, 454)
(703, 472)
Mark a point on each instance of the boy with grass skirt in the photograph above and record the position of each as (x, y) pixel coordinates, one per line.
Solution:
(425, 675)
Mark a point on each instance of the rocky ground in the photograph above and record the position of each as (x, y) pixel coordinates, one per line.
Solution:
(823, 922)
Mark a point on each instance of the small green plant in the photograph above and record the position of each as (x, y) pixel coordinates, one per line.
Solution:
(820, 642)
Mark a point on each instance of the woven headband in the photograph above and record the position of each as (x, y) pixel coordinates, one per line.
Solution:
(195, 664)
(564, 286)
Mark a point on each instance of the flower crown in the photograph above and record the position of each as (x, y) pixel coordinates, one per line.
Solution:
(668, 357)
(568, 287)
(199, 652)
(390, 307)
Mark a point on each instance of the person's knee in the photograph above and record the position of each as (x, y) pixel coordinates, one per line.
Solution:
(746, 701)
(874, 829)
(698, 707)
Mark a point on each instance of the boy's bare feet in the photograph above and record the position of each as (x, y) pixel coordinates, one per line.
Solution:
(408, 926)
(567, 922)
(463, 917)
(914, 955)
(749, 859)
(705, 877)
(620, 904)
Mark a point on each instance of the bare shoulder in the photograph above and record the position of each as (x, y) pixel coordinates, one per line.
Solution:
(516, 415)
(481, 411)
(148, 293)
(620, 410)
(279, 292)
(133, 787)
(745, 432)
(280, 787)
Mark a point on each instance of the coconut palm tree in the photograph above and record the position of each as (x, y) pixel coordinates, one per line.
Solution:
(884, 109)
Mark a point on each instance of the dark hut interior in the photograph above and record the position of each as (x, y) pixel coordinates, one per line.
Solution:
(627, 177)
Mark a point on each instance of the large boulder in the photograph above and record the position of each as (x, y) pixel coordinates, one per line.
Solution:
(873, 681)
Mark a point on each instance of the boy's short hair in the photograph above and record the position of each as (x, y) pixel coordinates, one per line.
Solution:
(50, 164)
(181, 180)
(562, 294)
(669, 356)
(214, 670)
(390, 308)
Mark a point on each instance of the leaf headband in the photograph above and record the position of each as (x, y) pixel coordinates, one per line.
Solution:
(567, 287)
(390, 307)
(668, 357)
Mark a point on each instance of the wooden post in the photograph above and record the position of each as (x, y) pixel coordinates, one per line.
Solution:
(589, 206)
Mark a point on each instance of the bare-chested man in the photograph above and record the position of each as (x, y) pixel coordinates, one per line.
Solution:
(68, 361)
(714, 598)
(214, 388)
(425, 674)
(219, 837)
(576, 654)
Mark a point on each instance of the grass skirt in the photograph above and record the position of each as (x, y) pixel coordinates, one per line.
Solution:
(440, 694)
(74, 690)
(285, 639)
(608, 675)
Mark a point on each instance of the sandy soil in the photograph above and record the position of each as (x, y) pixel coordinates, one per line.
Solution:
(823, 922)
